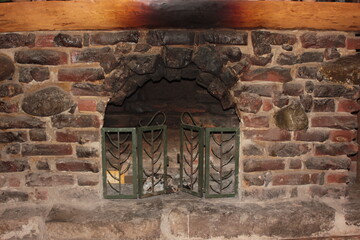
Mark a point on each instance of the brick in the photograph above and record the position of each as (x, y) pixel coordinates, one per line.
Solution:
(263, 89)
(77, 136)
(9, 107)
(80, 121)
(13, 40)
(48, 180)
(76, 166)
(273, 134)
(280, 100)
(274, 74)
(255, 165)
(337, 178)
(327, 163)
(112, 38)
(16, 136)
(324, 105)
(13, 182)
(295, 179)
(86, 152)
(293, 89)
(10, 90)
(311, 135)
(85, 180)
(288, 149)
(255, 121)
(104, 56)
(46, 149)
(248, 102)
(66, 40)
(335, 149)
(295, 164)
(348, 106)
(267, 105)
(307, 102)
(253, 180)
(40, 194)
(16, 165)
(38, 135)
(342, 135)
(45, 41)
(334, 91)
(353, 43)
(20, 121)
(315, 40)
(41, 56)
(252, 150)
(88, 89)
(340, 122)
(87, 105)
(80, 74)
(13, 196)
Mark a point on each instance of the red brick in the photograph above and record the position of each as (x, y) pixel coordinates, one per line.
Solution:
(295, 179)
(353, 43)
(348, 106)
(13, 182)
(80, 74)
(275, 74)
(255, 121)
(81, 121)
(16, 165)
(335, 149)
(87, 105)
(76, 166)
(44, 41)
(295, 164)
(254, 165)
(77, 136)
(342, 135)
(311, 135)
(248, 102)
(273, 134)
(38, 135)
(267, 105)
(40, 195)
(337, 178)
(341, 122)
(46, 149)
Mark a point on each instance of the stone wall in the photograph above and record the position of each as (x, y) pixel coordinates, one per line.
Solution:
(289, 88)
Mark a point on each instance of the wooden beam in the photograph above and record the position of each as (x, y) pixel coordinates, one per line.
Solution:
(118, 14)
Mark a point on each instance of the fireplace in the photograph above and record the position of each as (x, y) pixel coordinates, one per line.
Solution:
(289, 95)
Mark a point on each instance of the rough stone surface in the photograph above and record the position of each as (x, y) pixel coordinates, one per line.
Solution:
(313, 40)
(16, 165)
(288, 149)
(66, 40)
(47, 102)
(170, 37)
(225, 37)
(260, 60)
(175, 57)
(7, 122)
(111, 38)
(38, 74)
(13, 40)
(48, 180)
(308, 72)
(274, 74)
(8, 137)
(262, 41)
(253, 165)
(10, 90)
(334, 91)
(341, 122)
(81, 121)
(326, 163)
(143, 63)
(76, 166)
(232, 54)
(292, 117)
(345, 70)
(208, 59)
(13, 196)
(46, 149)
(248, 102)
(80, 74)
(7, 67)
(41, 56)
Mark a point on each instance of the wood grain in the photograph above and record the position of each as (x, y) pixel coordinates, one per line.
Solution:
(119, 14)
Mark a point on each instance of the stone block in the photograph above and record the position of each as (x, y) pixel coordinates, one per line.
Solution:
(20, 121)
(208, 59)
(262, 41)
(272, 134)
(248, 102)
(340, 122)
(46, 149)
(307, 57)
(66, 40)
(293, 89)
(260, 60)
(327, 163)
(15, 165)
(13, 196)
(38, 74)
(14, 136)
(77, 136)
(331, 53)
(288, 149)
(295, 179)
(311, 135)
(314, 40)
(70, 165)
(79, 121)
(80, 74)
(225, 37)
(274, 74)
(41, 56)
(307, 72)
(175, 57)
(170, 37)
(88, 89)
(14, 40)
(48, 180)
(262, 165)
(253, 180)
(7, 67)
(292, 117)
(38, 135)
(342, 135)
(295, 164)
(10, 90)
(44, 40)
(324, 105)
(263, 89)
(112, 38)
(86, 152)
(143, 63)
(335, 149)
(87, 180)
(252, 150)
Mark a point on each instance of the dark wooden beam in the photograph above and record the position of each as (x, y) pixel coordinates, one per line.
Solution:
(115, 14)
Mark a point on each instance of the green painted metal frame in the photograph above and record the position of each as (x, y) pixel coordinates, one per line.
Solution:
(131, 131)
(200, 178)
(208, 133)
(140, 132)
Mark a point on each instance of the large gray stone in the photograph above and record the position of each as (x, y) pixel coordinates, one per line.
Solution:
(7, 67)
(47, 102)
(292, 117)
